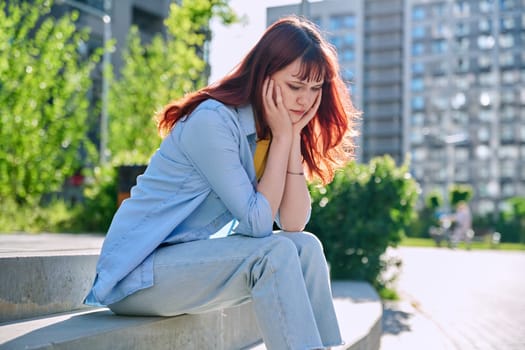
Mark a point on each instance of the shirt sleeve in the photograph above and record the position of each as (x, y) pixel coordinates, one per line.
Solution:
(211, 139)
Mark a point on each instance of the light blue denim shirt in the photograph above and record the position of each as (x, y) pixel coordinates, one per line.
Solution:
(201, 177)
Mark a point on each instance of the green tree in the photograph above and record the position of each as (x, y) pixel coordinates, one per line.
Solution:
(460, 193)
(157, 72)
(43, 104)
(363, 211)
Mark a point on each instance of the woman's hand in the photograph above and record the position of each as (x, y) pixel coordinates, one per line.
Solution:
(308, 116)
(275, 112)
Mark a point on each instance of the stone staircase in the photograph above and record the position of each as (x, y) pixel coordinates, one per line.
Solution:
(44, 278)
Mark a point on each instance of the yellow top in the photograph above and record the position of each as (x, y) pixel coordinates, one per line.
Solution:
(260, 157)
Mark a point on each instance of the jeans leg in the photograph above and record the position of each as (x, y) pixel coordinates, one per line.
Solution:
(317, 280)
(206, 275)
(280, 299)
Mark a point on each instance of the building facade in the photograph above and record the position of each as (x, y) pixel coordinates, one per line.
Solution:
(465, 96)
(441, 81)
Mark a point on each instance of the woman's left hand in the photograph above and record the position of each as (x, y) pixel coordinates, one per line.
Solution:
(308, 116)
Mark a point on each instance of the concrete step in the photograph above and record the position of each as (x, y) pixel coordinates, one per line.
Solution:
(45, 273)
(358, 310)
(232, 328)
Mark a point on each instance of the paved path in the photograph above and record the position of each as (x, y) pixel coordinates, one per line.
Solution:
(456, 299)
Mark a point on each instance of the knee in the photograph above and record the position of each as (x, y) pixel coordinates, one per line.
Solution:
(280, 254)
(307, 244)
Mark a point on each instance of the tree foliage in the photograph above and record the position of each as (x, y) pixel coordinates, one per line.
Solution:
(154, 73)
(363, 211)
(43, 100)
(460, 193)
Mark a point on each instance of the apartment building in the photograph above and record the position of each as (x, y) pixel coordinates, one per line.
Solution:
(465, 96)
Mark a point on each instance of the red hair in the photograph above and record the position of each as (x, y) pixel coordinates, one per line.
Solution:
(325, 145)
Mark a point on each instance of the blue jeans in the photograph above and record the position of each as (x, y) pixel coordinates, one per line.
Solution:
(285, 276)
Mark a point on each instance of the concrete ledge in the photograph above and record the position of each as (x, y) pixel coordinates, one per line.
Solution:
(233, 328)
(359, 312)
(44, 274)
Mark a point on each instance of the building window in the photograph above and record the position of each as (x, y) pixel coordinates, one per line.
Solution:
(508, 113)
(337, 41)
(347, 55)
(439, 68)
(486, 115)
(510, 77)
(507, 24)
(486, 79)
(418, 119)
(486, 42)
(439, 9)
(342, 22)
(418, 68)
(484, 25)
(462, 29)
(439, 46)
(418, 13)
(508, 152)
(506, 59)
(418, 102)
(483, 134)
(508, 97)
(418, 49)
(461, 8)
(508, 190)
(418, 32)
(485, 6)
(484, 62)
(463, 44)
(507, 133)
(417, 84)
(506, 41)
(508, 169)
(508, 4)
(463, 65)
(349, 39)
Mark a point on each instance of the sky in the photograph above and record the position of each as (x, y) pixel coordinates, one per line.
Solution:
(230, 44)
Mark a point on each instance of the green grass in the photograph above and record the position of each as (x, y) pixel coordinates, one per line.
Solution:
(476, 245)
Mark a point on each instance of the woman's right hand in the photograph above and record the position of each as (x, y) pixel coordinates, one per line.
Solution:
(275, 112)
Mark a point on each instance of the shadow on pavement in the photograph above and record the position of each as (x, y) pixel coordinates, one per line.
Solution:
(395, 320)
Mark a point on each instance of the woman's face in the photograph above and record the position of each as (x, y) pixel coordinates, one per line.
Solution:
(298, 95)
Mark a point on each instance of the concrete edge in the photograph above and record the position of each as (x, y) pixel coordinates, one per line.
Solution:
(232, 328)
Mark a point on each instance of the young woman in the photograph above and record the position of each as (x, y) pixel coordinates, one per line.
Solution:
(235, 156)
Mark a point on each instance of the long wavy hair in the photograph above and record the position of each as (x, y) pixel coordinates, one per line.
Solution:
(327, 141)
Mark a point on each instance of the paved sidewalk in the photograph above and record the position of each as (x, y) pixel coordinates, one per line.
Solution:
(456, 300)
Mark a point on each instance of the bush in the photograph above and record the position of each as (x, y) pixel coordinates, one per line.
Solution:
(93, 214)
(360, 214)
(100, 200)
(427, 216)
